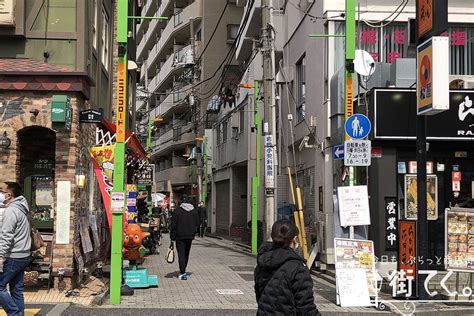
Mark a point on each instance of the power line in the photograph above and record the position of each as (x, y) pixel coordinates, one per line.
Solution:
(371, 23)
(213, 32)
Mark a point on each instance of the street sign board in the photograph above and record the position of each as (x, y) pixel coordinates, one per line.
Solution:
(357, 153)
(358, 126)
(91, 116)
(338, 152)
(433, 76)
(146, 175)
(269, 163)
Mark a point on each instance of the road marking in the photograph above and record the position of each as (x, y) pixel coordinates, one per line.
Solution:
(28, 312)
(230, 292)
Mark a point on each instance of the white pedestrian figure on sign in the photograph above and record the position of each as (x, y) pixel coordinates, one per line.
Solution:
(355, 127)
(361, 131)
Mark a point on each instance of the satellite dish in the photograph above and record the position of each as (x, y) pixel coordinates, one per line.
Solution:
(364, 63)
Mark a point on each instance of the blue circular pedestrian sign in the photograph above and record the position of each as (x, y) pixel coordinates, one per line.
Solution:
(358, 126)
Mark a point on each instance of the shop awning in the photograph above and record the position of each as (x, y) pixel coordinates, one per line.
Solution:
(133, 142)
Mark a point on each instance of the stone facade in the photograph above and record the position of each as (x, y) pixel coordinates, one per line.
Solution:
(17, 113)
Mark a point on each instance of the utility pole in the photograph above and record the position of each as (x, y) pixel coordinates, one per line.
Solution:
(269, 116)
(196, 113)
(119, 154)
(350, 56)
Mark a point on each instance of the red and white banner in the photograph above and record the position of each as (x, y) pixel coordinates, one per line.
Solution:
(103, 160)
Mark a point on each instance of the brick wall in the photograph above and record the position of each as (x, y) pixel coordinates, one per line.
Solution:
(71, 151)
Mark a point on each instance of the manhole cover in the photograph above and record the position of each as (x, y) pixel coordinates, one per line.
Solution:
(242, 268)
(246, 277)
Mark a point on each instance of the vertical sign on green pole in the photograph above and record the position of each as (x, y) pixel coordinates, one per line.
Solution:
(256, 179)
(119, 154)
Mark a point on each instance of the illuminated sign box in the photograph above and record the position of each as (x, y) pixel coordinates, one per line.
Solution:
(433, 76)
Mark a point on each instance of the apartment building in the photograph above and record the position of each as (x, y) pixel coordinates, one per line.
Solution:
(173, 66)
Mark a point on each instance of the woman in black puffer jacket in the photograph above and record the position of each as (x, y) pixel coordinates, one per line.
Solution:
(283, 285)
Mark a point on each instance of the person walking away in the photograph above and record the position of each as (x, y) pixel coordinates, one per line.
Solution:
(15, 248)
(202, 212)
(184, 224)
(283, 285)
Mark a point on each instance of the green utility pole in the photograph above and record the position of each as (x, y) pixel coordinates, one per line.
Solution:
(350, 56)
(119, 154)
(256, 179)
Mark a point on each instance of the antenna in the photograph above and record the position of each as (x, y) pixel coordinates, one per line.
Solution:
(364, 63)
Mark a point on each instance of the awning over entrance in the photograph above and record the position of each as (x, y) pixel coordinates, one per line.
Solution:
(133, 142)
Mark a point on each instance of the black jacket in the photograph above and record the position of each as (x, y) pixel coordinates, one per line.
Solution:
(202, 213)
(184, 222)
(283, 285)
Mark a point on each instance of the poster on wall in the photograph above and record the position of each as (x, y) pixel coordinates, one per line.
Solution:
(353, 206)
(391, 223)
(7, 13)
(63, 212)
(355, 255)
(411, 197)
(459, 239)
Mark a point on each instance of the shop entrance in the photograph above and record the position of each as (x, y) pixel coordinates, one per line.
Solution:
(37, 169)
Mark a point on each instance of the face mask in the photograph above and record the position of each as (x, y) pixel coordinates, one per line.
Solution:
(2, 198)
(297, 245)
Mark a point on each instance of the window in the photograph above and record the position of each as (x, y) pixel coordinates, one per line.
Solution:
(232, 32)
(242, 120)
(368, 40)
(395, 42)
(462, 50)
(224, 131)
(301, 88)
(94, 23)
(105, 39)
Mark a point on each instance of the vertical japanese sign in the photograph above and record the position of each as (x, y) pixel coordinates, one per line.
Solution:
(424, 16)
(269, 159)
(121, 101)
(391, 223)
(407, 247)
(349, 105)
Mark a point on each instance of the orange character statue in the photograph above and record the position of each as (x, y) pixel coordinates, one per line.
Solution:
(133, 249)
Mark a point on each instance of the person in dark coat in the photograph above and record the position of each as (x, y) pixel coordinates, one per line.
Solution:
(184, 224)
(202, 212)
(283, 285)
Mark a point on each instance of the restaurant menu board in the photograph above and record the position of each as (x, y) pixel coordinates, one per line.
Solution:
(460, 239)
(355, 254)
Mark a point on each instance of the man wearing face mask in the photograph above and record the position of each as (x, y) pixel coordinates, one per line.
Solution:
(15, 246)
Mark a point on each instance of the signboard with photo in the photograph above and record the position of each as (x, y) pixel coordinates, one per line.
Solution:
(459, 239)
(355, 255)
(411, 197)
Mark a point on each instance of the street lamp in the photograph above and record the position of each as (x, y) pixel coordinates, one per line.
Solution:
(5, 142)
